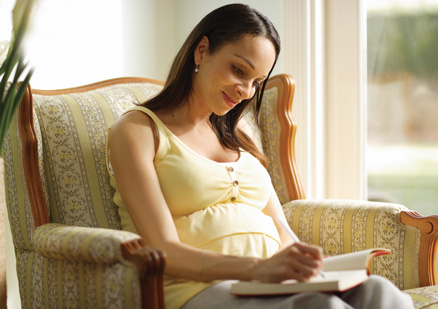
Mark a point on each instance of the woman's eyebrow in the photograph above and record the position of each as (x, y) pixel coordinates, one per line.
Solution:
(247, 61)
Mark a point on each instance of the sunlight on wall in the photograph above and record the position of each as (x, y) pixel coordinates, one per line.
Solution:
(76, 42)
(149, 37)
(5, 19)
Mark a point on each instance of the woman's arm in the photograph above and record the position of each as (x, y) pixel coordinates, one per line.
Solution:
(273, 209)
(133, 146)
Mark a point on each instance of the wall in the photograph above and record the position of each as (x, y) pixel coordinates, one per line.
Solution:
(76, 42)
(149, 43)
(345, 72)
(73, 46)
(190, 12)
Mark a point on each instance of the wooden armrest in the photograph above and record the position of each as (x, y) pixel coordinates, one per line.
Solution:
(428, 227)
(150, 263)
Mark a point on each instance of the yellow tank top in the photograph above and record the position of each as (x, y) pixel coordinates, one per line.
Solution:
(215, 206)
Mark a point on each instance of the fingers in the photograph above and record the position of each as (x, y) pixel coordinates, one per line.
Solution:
(312, 250)
(305, 259)
(303, 272)
(299, 261)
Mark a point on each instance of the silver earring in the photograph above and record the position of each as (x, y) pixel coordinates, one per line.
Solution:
(197, 68)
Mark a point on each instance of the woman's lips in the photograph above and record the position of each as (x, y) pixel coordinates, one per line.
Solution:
(229, 101)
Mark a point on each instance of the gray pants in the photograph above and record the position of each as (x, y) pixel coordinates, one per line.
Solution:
(377, 292)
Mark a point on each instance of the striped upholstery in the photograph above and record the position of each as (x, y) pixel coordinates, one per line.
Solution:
(17, 199)
(426, 297)
(75, 129)
(55, 283)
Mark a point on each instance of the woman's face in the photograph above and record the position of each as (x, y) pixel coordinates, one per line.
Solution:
(232, 73)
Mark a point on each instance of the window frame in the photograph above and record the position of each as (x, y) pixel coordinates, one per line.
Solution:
(325, 44)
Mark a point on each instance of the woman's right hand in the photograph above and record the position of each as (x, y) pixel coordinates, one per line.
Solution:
(299, 261)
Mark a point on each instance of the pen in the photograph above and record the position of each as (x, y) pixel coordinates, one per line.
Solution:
(291, 233)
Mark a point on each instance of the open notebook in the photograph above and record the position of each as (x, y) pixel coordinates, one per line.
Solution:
(341, 272)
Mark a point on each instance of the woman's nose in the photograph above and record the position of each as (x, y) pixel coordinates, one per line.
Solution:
(245, 90)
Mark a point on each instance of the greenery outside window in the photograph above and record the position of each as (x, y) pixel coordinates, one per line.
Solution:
(402, 103)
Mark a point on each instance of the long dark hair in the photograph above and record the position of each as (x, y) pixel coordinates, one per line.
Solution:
(224, 25)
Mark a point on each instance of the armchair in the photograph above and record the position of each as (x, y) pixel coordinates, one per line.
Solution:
(69, 248)
(66, 230)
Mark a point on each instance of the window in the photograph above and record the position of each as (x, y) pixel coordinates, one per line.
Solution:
(402, 103)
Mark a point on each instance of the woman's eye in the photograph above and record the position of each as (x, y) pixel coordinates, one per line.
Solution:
(238, 71)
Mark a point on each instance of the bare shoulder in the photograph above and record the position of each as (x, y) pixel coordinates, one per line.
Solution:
(131, 128)
(133, 118)
(132, 123)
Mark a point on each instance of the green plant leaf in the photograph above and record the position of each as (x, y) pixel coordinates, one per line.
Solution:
(11, 93)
